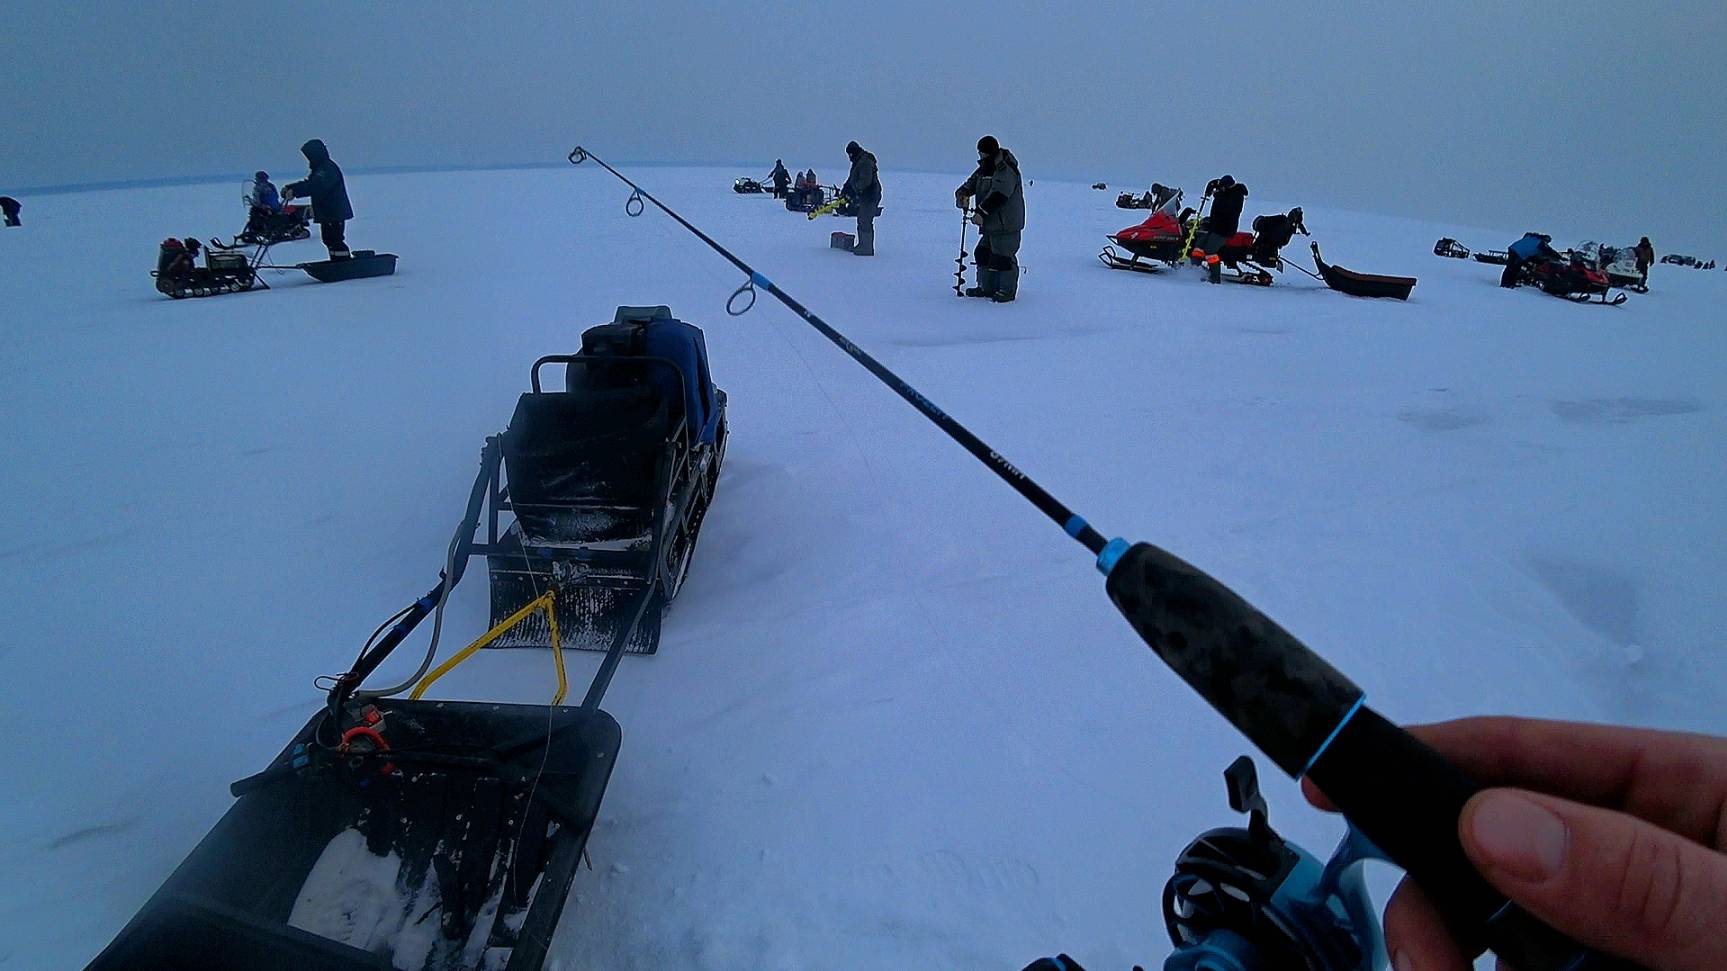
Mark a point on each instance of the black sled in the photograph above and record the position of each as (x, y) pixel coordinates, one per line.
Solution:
(439, 835)
(806, 200)
(1496, 257)
(1362, 284)
(748, 187)
(362, 264)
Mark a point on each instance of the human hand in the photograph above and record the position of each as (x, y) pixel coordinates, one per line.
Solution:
(1616, 837)
(287, 195)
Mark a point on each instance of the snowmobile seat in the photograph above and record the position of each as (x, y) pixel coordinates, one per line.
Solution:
(584, 466)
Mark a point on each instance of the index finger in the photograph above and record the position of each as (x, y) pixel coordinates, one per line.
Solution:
(1676, 780)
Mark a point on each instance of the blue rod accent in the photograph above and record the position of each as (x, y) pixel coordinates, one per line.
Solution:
(1334, 733)
(1075, 526)
(759, 280)
(1112, 553)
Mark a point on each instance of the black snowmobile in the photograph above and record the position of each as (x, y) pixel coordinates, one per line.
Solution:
(225, 269)
(434, 835)
(748, 187)
(268, 227)
(808, 199)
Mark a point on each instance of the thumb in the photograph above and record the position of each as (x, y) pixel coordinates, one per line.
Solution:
(1607, 879)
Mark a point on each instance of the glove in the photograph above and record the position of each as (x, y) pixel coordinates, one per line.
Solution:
(960, 198)
(977, 218)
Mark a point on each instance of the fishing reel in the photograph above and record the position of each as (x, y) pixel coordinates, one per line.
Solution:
(1247, 900)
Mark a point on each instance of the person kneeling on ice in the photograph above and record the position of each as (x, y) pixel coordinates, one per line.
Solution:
(863, 188)
(329, 194)
(1000, 217)
(1532, 248)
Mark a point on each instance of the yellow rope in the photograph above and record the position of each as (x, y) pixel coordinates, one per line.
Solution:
(549, 603)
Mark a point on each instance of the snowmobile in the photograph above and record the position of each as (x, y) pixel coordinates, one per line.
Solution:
(432, 835)
(807, 200)
(1246, 899)
(1572, 279)
(1253, 256)
(625, 520)
(1618, 262)
(225, 270)
(1099, 186)
(265, 226)
(748, 187)
(1497, 257)
(1451, 248)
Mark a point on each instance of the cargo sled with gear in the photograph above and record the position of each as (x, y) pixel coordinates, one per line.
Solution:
(434, 835)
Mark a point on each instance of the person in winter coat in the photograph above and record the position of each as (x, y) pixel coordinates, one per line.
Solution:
(9, 208)
(1000, 217)
(263, 194)
(329, 195)
(1645, 252)
(1533, 247)
(1228, 196)
(863, 188)
(780, 178)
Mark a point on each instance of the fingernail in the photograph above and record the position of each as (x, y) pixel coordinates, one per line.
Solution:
(1518, 835)
(1400, 961)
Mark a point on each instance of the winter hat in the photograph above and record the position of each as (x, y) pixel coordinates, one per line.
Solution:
(1226, 181)
(261, 175)
(987, 145)
(852, 148)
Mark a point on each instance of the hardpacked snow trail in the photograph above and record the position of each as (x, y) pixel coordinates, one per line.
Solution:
(893, 717)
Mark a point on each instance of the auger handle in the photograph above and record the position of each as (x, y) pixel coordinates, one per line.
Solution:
(1310, 720)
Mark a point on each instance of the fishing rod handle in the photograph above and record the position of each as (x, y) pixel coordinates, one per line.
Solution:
(1310, 720)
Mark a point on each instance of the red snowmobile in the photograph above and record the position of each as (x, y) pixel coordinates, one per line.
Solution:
(1572, 279)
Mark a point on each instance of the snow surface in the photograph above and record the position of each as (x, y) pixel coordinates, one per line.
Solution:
(894, 720)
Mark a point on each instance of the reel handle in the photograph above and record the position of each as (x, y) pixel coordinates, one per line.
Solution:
(1311, 720)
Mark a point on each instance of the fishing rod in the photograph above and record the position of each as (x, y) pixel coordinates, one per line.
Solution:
(1304, 714)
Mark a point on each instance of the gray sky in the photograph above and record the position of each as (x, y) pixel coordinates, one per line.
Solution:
(1604, 120)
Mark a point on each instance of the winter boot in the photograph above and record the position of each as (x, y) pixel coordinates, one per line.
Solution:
(986, 283)
(1006, 285)
(865, 245)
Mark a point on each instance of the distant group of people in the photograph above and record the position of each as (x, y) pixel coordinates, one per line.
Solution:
(784, 183)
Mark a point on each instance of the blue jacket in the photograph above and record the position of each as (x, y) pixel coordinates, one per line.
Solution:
(264, 196)
(324, 186)
(1531, 246)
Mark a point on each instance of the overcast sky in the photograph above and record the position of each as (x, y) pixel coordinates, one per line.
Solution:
(1605, 120)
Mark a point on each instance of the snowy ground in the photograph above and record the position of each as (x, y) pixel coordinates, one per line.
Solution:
(894, 721)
